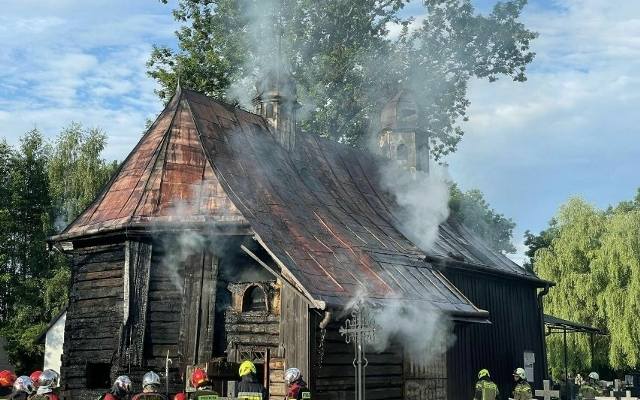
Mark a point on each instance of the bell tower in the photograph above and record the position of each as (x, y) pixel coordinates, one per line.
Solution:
(277, 101)
(401, 138)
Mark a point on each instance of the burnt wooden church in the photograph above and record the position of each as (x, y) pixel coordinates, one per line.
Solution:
(228, 235)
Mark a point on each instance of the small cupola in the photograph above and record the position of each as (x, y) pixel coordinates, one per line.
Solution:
(401, 138)
(277, 101)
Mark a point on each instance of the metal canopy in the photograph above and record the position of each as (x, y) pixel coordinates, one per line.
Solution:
(558, 325)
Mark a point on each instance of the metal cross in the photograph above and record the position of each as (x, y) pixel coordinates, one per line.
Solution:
(547, 393)
(359, 330)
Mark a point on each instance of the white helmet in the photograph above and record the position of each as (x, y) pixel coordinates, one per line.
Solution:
(594, 376)
(24, 384)
(520, 372)
(150, 379)
(123, 384)
(291, 375)
(49, 378)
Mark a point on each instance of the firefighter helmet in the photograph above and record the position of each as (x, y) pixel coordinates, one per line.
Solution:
(483, 372)
(520, 372)
(24, 384)
(150, 379)
(35, 377)
(48, 378)
(594, 376)
(199, 377)
(246, 368)
(7, 378)
(180, 396)
(291, 375)
(123, 384)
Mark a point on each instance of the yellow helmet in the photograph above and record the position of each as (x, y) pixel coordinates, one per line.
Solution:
(483, 373)
(247, 368)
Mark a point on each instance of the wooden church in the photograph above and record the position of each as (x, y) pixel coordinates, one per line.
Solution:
(228, 235)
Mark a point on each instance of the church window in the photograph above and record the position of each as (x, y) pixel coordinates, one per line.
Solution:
(402, 152)
(254, 299)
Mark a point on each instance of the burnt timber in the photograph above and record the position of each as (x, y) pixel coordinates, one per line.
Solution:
(214, 240)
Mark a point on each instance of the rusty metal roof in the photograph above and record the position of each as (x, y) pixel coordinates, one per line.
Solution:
(319, 210)
(166, 178)
(319, 213)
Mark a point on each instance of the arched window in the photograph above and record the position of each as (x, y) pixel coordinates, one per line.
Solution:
(269, 113)
(254, 299)
(402, 152)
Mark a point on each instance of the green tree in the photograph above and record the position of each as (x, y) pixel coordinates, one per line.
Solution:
(40, 184)
(344, 60)
(77, 171)
(477, 215)
(594, 257)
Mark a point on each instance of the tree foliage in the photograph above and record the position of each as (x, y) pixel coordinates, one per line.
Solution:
(594, 257)
(39, 184)
(344, 59)
(477, 215)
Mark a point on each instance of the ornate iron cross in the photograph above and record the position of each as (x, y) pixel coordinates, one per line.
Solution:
(359, 330)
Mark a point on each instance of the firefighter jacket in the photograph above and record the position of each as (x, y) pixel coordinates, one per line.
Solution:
(19, 396)
(297, 391)
(149, 396)
(203, 394)
(588, 391)
(486, 390)
(5, 393)
(522, 391)
(250, 389)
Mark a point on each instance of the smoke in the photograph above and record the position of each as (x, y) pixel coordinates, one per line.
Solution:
(424, 331)
(423, 200)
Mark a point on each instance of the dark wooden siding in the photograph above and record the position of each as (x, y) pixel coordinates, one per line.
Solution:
(94, 315)
(335, 379)
(500, 346)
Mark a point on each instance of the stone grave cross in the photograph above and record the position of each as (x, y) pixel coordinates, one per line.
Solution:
(547, 393)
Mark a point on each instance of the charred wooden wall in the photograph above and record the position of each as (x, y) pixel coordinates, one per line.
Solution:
(334, 378)
(499, 346)
(94, 315)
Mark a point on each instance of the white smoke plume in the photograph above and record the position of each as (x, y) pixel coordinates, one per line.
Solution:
(423, 200)
(424, 332)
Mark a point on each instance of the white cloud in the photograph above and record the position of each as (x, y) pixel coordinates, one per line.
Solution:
(71, 60)
(572, 128)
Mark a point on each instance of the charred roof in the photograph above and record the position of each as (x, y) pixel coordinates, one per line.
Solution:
(320, 210)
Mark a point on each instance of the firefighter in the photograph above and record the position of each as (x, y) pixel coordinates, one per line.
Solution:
(7, 378)
(22, 388)
(35, 378)
(591, 388)
(485, 388)
(47, 383)
(200, 381)
(121, 389)
(180, 396)
(150, 388)
(296, 386)
(522, 390)
(249, 388)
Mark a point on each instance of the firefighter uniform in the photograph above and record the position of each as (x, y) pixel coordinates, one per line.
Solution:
(203, 394)
(486, 389)
(588, 391)
(249, 388)
(522, 391)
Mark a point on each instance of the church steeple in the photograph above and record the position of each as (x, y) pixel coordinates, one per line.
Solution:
(277, 101)
(401, 137)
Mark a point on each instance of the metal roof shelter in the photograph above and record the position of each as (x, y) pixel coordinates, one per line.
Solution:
(559, 325)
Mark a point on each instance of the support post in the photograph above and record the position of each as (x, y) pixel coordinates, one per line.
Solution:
(566, 360)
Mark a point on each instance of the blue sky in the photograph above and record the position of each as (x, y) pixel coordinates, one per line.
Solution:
(571, 129)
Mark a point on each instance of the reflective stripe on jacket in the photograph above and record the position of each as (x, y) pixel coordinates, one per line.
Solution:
(486, 390)
(522, 391)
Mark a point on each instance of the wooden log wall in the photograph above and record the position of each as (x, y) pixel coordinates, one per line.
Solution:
(94, 316)
(335, 378)
(425, 379)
